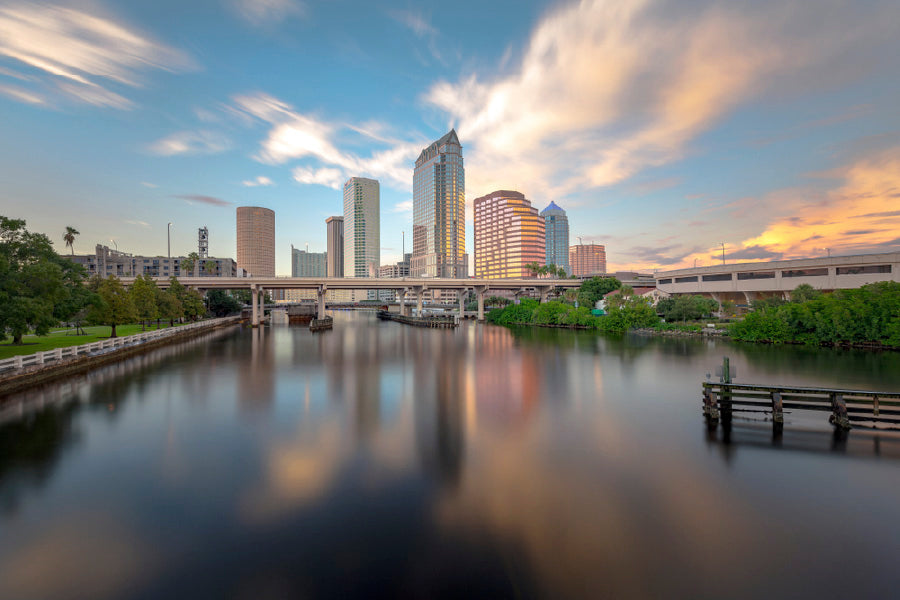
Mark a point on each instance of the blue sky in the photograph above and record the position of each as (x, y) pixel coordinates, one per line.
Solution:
(663, 127)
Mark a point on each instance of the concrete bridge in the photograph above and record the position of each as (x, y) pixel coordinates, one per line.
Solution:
(747, 281)
(417, 286)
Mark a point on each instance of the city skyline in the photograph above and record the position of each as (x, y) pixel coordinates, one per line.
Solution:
(664, 129)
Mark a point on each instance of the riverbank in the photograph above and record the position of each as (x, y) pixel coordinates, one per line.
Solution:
(13, 381)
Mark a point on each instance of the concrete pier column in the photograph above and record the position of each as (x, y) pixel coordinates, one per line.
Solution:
(262, 304)
(254, 319)
(462, 303)
(750, 296)
(420, 300)
(545, 293)
(518, 295)
(479, 294)
(320, 296)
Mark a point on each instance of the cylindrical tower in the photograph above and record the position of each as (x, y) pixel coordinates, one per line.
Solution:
(256, 240)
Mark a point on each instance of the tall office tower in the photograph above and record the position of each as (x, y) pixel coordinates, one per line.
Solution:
(587, 259)
(256, 240)
(203, 242)
(509, 234)
(362, 237)
(439, 211)
(334, 247)
(307, 264)
(556, 228)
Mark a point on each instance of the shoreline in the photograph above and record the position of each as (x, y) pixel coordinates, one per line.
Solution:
(37, 375)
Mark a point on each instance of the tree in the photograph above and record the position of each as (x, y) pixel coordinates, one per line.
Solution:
(34, 281)
(192, 302)
(595, 288)
(169, 305)
(144, 296)
(210, 267)
(222, 304)
(804, 293)
(188, 263)
(115, 307)
(69, 238)
(561, 272)
(533, 267)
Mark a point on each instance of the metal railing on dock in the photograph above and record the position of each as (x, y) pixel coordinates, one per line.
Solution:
(720, 399)
(436, 321)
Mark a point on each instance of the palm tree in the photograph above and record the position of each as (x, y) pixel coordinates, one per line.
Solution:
(533, 267)
(69, 238)
(210, 267)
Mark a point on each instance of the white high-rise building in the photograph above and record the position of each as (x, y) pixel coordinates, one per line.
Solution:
(362, 230)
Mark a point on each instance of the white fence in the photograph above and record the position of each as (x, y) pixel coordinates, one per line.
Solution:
(103, 346)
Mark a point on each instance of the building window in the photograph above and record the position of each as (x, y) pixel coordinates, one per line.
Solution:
(664, 281)
(686, 279)
(718, 277)
(805, 273)
(864, 270)
(756, 275)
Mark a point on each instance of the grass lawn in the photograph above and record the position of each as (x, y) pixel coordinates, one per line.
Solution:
(58, 339)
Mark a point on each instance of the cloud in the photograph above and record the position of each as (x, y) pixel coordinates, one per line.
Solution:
(194, 199)
(262, 13)
(333, 178)
(138, 223)
(191, 142)
(81, 53)
(259, 181)
(22, 95)
(415, 22)
(147, 184)
(403, 207)
(293, 136)
(749, 253)
(605, 90)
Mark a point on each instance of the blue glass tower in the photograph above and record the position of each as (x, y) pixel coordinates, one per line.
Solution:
(556, 228)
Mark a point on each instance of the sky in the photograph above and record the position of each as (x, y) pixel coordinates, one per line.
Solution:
(663, 128)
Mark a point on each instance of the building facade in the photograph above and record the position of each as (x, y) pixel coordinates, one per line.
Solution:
(556, 235)
(334, 247)
(394, 271)
(439, 211)
(106, 262)
(509, 234)
(256, 240)
(307, 264)
(587, 259)
(362, 231)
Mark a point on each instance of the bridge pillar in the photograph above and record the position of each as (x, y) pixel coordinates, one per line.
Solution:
(420, 299)
(518, 295)
(254, 319)
(545, 292)
(320, 297)
(750, 296)
(479, 294)
(261, 293)
(462, 302)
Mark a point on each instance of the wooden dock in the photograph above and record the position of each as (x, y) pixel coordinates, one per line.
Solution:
(721, 399)
(434, 321)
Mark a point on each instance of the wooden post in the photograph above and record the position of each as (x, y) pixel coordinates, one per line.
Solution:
(875, 405)
(725, 396)
(777, 408)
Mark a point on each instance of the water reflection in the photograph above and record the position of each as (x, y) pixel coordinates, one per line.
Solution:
(382, 459)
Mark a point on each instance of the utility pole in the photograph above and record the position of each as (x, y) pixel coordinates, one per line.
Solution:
(723, 251)
(169, 238)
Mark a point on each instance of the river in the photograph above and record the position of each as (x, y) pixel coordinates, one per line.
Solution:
(382, 459)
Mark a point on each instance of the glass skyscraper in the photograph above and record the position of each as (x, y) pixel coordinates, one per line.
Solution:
(439, 211)
(556, 231)
(362, 229)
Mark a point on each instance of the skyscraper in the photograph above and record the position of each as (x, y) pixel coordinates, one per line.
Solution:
(587, 259)
(334, 247)
(439, 207)
(362, 238)
(307, 264)
(509, 234)
(556, 231)
(256, 240)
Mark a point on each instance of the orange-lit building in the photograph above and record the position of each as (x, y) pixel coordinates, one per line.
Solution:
(256, 240)
(509, 234)
(587, 259)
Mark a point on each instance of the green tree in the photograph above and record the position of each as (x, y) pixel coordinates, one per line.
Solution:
(144, 296)
(188, 263)
(35, 282)
(192, 302)
(115, 306)
(210, 267)
(804, 293)
(533, 267)
(170, 307)
(595, 288)
(69, 238)
(221, 304)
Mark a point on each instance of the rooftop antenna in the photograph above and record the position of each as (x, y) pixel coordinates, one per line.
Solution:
(580, 240)
(307, 247)
(723, 251)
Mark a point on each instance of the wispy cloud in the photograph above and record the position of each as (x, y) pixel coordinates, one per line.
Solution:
(405, 206)
(147, 184)
(22, 95)
(191, 142)
(268, 12)
(198, 199)
(605, 90)
(293, 135)
(144, 224)
(419, 25)
(82, 54)
(259, 181)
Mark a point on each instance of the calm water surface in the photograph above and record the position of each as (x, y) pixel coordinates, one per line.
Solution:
(380, 459)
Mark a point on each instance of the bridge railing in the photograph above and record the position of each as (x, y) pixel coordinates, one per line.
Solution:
(17, 363)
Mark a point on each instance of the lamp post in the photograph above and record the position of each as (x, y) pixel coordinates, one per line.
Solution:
(169, 238)
(723, 251)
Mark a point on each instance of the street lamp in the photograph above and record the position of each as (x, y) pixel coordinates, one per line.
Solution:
(723, 251)
(169, 238)
(114, 244)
